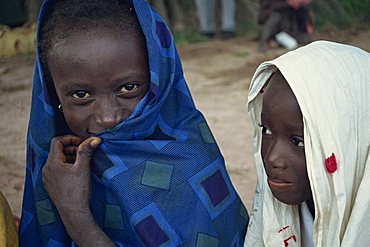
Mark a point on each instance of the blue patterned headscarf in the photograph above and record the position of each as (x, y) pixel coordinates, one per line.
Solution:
(159, 178)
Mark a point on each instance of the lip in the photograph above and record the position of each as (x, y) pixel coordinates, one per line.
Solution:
(96, 132)
(278, 184)
(92, 133)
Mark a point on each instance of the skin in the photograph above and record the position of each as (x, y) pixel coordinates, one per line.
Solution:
(69, 187)
(282, 148)
(99, 80)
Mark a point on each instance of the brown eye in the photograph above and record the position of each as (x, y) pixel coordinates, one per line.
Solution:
(265, 130)
(128, 88)
(297, 141)
(80, 95)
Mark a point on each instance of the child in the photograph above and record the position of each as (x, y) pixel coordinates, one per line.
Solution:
(8, 232)
(107, 72)
(312, 148)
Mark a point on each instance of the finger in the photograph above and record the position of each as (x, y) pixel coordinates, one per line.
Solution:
(70, 140)
(58, 143)
(86, 150)
(70, 150)
(70, 159)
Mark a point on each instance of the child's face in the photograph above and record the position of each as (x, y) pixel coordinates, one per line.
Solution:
(282, 143)
(99, 79)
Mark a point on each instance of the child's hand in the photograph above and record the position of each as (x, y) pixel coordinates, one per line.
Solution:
(66, 174)
(66, 177)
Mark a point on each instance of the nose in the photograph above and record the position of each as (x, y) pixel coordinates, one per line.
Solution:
(108, 114)
(274, 154)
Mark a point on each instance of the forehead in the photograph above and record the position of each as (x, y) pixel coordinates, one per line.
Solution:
(93, 58)
(278, 90)
(96, 33)
(97, 46)
(277, 84)
(279, 105)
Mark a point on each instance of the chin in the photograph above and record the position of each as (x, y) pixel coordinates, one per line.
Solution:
(288, 200)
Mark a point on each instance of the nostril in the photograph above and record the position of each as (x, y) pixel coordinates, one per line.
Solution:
(273, 163)
(106, 121)
(108, 115)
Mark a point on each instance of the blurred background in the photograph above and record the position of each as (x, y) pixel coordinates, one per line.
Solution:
(221, 43)
(188, 18)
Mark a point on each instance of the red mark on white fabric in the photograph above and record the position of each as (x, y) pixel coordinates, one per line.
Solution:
(283, 229)
(294, 238)
(331, 163)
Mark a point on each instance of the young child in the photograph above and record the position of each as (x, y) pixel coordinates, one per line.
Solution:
(109, 93)
(310, 109)
(8, 231)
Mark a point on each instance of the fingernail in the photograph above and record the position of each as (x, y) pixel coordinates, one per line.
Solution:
(95, 142)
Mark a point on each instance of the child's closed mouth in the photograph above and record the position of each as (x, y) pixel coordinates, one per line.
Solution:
(278, 183)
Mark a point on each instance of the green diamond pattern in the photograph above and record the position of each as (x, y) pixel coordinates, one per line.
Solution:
(157, 175)
(45, 213)
(113, 219)
(204, 240)
(206, 133)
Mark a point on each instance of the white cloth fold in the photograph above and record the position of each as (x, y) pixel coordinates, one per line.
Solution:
(331, 82)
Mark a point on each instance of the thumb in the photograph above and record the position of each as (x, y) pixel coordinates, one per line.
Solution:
(86, 150)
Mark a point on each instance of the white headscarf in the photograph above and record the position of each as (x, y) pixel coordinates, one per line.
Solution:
(331, 82)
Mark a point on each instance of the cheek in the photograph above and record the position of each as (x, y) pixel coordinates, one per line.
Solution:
(300, 170)
(130, 106)
(75, 122)
(264, 147)
(127, 106)
(306, 192)
(301, 167)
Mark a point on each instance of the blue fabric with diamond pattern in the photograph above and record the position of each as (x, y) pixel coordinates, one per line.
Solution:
(159, 178)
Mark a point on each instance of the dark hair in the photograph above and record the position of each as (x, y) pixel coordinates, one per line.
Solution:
(63, 18)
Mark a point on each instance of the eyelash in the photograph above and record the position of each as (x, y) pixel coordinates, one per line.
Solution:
(135, 86)
(265, 129)
(74, 95)
(297, 141)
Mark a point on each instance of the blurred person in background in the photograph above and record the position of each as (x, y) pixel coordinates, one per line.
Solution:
(290, 16)
(207, 18)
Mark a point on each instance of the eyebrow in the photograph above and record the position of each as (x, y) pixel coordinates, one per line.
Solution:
(295, 127)
(71, 86)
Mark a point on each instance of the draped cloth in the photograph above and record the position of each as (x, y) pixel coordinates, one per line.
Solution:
(331, 82)
(159, 178)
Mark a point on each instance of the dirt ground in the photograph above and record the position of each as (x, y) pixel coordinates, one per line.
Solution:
(218, 73)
